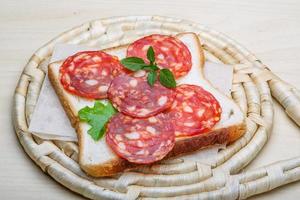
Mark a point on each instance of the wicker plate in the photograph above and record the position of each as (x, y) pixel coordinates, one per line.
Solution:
(252, 87)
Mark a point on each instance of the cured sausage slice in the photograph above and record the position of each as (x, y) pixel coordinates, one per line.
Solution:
(194, 110)
(133, 96)
(88, 74)
(170, 53)
(140, 141)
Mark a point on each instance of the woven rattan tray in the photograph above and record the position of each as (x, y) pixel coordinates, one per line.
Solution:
(253, 86)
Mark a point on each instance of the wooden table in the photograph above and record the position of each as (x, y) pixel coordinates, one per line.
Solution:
(270, 29)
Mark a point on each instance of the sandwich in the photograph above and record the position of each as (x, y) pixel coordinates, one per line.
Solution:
(140, 103)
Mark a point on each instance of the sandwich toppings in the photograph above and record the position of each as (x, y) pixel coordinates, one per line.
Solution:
(140, 141)
(133, 96)
(151, 113)
(194, 110)
(166, 77)
(170, 53)
(89, 74)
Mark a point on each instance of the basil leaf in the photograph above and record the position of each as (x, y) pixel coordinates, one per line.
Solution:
(150, 54)
(151, 78)
(150, 67)
(166, 78)
(97, 117)
(133, 63)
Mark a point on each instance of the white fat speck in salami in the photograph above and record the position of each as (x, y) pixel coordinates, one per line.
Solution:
(150, 129)
(196, 111)
(140, 144)
(96, 59)
(104, 73)
(133, 83)
(139, 73)
(152, 120)
(88, 74)
(91, 82)
(103, 88)
(141, 152)
(170, 53)
(133, 96)
(188, 109)
(131, 108)
(149, 142)
(122, 145)
(162, 100)
(133, 135)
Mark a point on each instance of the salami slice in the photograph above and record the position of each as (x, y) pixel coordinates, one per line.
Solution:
(88, 74)
(140, 141)
(194, 111)
(170, 53)
(133, 96)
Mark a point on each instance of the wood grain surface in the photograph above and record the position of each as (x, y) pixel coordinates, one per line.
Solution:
(270, 29)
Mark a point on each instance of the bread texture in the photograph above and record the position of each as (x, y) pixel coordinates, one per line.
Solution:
(98, 160)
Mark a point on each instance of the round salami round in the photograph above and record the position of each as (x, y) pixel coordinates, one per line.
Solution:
(170, 53)
(140, 141)
(88, 74)
(194, 110)
(133, 96)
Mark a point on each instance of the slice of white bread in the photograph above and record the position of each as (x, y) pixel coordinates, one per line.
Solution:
(97, 159)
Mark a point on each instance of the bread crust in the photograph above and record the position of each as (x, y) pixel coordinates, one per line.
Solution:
(216, 137)
(182, 145)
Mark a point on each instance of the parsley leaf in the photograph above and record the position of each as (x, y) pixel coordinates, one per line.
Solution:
(166, 78)
(151, 77)
(133, 63)
(97, 117)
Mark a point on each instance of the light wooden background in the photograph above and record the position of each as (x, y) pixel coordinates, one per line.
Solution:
(271, 29)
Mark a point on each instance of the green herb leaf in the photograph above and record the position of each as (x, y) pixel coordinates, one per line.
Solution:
(133, 63)
(166, 78)
(150, 67)
(151, 55)
(97, 117)
(151, 78)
